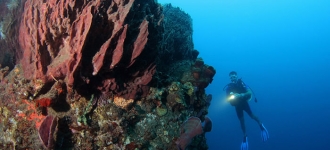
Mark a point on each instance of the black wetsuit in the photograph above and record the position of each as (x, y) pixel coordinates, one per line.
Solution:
(239, 103)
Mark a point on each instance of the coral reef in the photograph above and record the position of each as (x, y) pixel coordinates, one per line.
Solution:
(91, 75)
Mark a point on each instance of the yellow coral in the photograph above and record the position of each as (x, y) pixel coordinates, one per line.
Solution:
(178, 100)
(190, 91)
(161, 110)
(123, 103)
(174, 86)
(16, 70)
(189, 87)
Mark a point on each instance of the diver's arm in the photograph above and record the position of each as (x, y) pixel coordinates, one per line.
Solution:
(248, 93)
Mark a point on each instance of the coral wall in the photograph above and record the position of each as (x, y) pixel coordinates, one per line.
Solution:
(101, 75)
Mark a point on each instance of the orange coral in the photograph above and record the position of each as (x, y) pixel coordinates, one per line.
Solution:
(31, 114)
(43, 102)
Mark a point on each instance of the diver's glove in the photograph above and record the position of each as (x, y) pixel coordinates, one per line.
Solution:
(264, 133)
(245, 144)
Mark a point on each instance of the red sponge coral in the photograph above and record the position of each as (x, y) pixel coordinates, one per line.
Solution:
(207, 125)
(46, 131)
(191, 128)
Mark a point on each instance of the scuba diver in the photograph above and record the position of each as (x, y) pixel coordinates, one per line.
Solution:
(238, 95)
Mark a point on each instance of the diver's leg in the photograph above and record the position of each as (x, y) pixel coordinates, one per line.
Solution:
(249, 112)
(241, 120)
(254, 117)
(239, 112)
(264, 132)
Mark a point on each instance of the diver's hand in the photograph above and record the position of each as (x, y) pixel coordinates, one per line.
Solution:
(245, 144)
(237, 95)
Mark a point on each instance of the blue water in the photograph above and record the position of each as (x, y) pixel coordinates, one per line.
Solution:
(281, 48)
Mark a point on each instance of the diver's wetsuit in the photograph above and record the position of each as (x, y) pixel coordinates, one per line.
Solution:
(240, 103)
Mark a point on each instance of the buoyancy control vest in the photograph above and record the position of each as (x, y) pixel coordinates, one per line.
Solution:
(238, 87)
